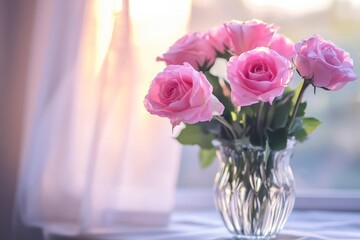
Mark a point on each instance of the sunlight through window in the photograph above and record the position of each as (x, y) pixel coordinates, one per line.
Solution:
(105, 11)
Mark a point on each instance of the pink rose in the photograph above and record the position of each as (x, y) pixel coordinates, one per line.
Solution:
(323, 63)
(245, 36)
(182, 94)
(219, 38)
(258, 75)
(193, 48)
(283, 45)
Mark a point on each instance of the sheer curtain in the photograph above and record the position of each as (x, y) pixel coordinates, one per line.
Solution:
(93, 159)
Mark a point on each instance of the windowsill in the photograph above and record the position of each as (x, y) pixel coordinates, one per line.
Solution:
(317, 199)
(207, 224)
(195, 217)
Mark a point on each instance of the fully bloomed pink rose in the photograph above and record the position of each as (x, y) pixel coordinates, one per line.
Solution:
(238, 37)
(325, 64)
(192, 48)
(283, 45)
(245, 36)
(258, 75)
(182, 94)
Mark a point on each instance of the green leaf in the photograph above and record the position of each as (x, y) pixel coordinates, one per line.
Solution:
(301, 110)
(214, 80)
(277, 138)
(211, 127)
(193, 134)
(287, 89)
(247, 110)
(239, 130)
(296, 126)
(207, 157)
(234, 116)
(309, 125)
(219, 93)
(301, 135)
(282, 111)
(269, 115)
(302, 105)
(296, 93)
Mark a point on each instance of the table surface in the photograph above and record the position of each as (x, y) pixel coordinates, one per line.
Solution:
(206, 224)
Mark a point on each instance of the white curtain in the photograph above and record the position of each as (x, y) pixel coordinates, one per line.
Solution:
(93, 159)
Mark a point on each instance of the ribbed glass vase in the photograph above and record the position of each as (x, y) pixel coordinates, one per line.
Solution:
(254, 189)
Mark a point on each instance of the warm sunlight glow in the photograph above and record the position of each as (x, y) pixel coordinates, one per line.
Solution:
(160, 18)
(156, 25)
(159, 9)
(118, 5)
(105, 11)
(288, 7)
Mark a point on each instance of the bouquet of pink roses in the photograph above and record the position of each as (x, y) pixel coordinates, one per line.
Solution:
(252, 102)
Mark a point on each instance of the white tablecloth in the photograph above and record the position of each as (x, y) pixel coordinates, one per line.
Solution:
(206, 224)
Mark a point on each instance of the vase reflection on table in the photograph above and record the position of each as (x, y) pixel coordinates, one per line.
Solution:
(247, 115)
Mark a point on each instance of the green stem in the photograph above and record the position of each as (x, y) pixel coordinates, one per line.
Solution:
(259, 121)
(266, 113)
(306, 83)
(226, 124)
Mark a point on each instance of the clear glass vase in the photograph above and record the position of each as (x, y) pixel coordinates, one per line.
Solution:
(254, 189)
